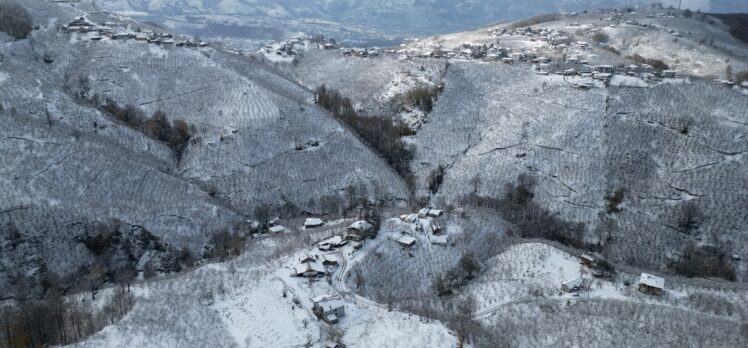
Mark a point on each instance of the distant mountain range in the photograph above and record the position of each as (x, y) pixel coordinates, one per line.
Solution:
(403, 16)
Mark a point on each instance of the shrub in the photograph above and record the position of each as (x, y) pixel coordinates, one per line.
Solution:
(176, 134)
(435, 179)
(613, 200)
(610, 48)
(15, 20)
(689, 218)
(543, 18)
(600, 37)
(741, 76)
(422, 97)
(655, 63)
(705, 261)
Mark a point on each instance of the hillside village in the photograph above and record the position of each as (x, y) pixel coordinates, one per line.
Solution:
(475, 189)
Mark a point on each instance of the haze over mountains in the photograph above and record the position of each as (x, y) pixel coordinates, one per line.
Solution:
(364, 20)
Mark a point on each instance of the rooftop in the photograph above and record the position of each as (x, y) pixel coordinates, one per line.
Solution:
(652, 281)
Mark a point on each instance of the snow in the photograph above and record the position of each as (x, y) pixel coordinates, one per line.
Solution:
(627, 81)
(259, 316)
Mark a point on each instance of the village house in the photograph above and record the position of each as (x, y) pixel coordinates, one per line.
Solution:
(406, 241)
(358, 230)
(313, 223)
(542, 69)
(669, 74)
(309, 270)
(651, 284)
(572, 285)
(329, 310)
(332, 243)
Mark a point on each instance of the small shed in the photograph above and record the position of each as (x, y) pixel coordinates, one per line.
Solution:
(435, 213)
(277, 229)
(651, 284)
(670, 74)
(507, 60)
(329, 260)
(587, 260)
(313, 222)
(438, 240)
(572, 285)
(329, 310)
(307, 258)
(424, 212)
(406, 241)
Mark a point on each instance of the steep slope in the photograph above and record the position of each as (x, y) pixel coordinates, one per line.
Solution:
(252, 129)
(583, 145)
(676, 147)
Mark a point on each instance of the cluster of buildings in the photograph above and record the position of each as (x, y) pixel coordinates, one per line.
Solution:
(360, 52)
(648, 283)
(424, 221)
(113, 31)
(296, 46)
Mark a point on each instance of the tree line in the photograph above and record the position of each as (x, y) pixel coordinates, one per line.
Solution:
(176, 134)
(380, 133)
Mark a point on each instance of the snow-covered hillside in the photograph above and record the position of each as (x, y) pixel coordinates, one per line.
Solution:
(252, 130)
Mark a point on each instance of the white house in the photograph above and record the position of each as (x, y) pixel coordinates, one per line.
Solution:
(572, 285)
(329, 310)
(651, 284)
(313, 222)
(359, 230)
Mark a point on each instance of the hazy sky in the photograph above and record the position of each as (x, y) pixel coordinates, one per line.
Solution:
(703, 5)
